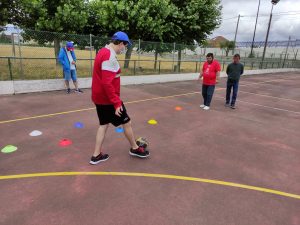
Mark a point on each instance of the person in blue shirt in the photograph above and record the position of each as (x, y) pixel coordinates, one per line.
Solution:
(67, 59)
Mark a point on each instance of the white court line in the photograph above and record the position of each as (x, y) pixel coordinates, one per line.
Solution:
(269, 107)
(264, 106)
(269, 96)
(264, 82)
(251, 84)
(243, 85)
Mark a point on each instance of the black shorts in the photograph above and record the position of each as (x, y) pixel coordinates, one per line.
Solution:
(106, 115)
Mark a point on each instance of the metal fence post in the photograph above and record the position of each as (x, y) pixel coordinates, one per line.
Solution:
(9, 67)
(134, 69)
(20, 55)
(158, 66)
(139, 55)
(13, 44)
(91, 59)
(174, 55)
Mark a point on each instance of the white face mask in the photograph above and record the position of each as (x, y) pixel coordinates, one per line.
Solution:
(123, 50)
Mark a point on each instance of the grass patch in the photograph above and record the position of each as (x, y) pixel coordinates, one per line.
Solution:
(48, 69)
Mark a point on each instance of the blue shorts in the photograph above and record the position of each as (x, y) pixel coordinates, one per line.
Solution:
(69, 75)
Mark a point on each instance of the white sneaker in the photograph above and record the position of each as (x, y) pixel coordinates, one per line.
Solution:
(202, 106)
(206, 108)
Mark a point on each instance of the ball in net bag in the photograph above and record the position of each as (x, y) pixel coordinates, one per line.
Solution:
(142, 142)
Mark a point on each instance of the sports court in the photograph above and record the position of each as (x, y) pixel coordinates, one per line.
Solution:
(216, 167)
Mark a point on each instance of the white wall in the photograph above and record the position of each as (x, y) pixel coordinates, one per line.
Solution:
(27, 86)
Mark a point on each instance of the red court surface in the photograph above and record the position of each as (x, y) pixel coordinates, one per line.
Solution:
(216, 167)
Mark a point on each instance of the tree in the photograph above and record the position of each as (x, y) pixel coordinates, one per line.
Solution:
(166, 21)
(64, 16)
(197, 19)
(147, 19)
(16, 12)
(227, 46)
(157, 47)
(68, 16)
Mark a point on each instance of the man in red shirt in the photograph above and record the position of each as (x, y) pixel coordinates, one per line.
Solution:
(210, 73)
(106, 97)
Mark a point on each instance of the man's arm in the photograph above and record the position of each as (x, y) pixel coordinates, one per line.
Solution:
(227, 69)
(201, 73)
(108, 75)
(61, 57)
(109, 88)
(218, 72)
(242, 72)
(217, 76)
(73, 55)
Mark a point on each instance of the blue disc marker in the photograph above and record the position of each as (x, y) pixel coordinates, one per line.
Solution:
(78, 125)
(119, 130)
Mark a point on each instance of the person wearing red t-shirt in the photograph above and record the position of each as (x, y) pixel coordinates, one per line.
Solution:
(106, 97)
(210, 73)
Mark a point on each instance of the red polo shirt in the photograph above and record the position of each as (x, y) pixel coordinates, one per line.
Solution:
(210, 72)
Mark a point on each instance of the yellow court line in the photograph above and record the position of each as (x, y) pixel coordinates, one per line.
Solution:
(136, 101)
(86, 109)
(152, 175)
(45, 115)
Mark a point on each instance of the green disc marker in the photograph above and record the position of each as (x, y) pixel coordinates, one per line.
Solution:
(9, 149)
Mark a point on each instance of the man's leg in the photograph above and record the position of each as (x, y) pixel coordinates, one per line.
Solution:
(67, 84)
(235, 91)
(129, 135)
(204, 94)
(228, 92)
(210, 92)
(100, 138)
(75, 82)
(67, 77)
(135, 150)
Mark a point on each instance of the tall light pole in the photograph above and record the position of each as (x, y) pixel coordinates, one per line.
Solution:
(274, 2)
(252, 45)
(286, 51)
(236, 30)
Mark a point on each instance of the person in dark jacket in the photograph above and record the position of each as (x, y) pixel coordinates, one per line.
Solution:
(234, 71)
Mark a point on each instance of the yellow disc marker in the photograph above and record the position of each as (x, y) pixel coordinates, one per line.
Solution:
(152, 122)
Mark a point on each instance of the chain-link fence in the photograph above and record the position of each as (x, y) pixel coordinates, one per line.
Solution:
(28, 54)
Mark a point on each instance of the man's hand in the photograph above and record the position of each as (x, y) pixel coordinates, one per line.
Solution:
(73, 62)
(118, 111)
(200, 77)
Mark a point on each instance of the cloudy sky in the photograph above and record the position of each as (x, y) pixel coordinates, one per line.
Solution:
(285, 22)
